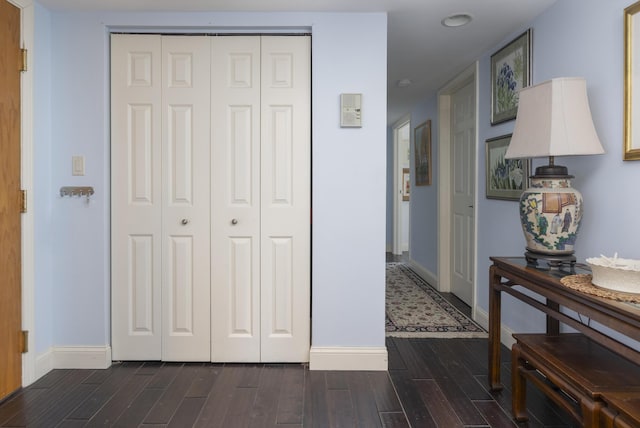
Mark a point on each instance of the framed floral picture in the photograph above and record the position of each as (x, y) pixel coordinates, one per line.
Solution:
(406, 184)
(510, 72)
(506, 178)
(422, 153)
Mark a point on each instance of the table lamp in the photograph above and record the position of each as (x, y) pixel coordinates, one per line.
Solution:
(553, 119)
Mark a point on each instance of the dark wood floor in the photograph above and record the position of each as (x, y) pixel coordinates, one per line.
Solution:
(430, 383)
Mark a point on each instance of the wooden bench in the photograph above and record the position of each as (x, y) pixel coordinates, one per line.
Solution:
(578, 374)
(622, 410)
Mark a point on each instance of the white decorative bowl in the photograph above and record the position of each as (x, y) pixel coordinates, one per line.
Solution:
(615, 274)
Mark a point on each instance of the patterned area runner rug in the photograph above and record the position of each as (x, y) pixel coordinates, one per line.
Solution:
(415, 309)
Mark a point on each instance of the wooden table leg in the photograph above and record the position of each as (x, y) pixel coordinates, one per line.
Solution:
(553, 325)
(494, 330)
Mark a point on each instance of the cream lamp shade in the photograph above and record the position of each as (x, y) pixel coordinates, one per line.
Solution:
(554, 119)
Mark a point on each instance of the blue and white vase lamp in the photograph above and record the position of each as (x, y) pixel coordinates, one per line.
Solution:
(553, 119)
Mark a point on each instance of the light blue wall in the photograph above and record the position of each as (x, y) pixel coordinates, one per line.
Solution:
(424, 199)
(572, 38)
(349, 165)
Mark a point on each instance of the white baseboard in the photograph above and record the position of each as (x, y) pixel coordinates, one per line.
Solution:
(347, 358)
(73, 357)
(506, 335)
(44, 364)
(481, 317)
(424, 274)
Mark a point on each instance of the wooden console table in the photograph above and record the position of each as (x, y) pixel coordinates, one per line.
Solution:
(512, 275)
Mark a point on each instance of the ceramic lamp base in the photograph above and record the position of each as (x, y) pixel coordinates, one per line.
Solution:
(550, 213)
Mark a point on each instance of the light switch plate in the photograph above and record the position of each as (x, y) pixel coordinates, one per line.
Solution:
(77, 165)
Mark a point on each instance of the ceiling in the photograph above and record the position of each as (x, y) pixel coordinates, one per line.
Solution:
(419, 47)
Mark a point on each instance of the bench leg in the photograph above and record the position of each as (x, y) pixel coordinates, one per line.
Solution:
(519, 386)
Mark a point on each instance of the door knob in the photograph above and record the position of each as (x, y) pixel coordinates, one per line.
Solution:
(184, 221)
(234, 221)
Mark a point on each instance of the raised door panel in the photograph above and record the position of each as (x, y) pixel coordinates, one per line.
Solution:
(235, 203)
(463, 173)
(135, 199)
(285, 206)
(185, 198)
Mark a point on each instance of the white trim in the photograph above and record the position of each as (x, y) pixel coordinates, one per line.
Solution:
(72, 357)
(44, 363)
(444, 178)
(348, 358)
(397, 248)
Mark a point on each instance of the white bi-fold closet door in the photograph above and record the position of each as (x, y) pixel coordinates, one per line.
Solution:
(210, 166)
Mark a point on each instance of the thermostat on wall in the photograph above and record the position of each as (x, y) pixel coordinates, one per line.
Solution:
(351, 110)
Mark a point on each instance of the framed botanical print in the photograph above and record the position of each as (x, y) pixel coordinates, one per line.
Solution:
(505, 178)
(422, 153)
(510, 72)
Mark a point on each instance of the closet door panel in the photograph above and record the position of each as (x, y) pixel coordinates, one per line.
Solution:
(186, 198)
(286, 202)
(135, 197)
(235, 190)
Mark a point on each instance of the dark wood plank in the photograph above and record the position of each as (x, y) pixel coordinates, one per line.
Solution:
(141, 405)
(265, 408)
(49, 398)
(64, 405)
(17, 403)
(441, 411)
(250, 375)
(165, 407)
(215, 407)
(467, 413)
(394, 420)
(366, 413)
(413, 359)
(165, 376)
(204, 380)
(396, 362)
(415, 409)
(239, 410)
(187, 413)
(336, 380)
(494, 414)
(340, 406)
(458, 371)
(51, 379)
(319, 411)
(111, 411)
(118, 376)
(384, 392)
(291, 399)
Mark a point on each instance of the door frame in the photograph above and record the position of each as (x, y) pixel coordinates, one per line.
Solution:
(26, 176)
(397, 218)
(444, 179)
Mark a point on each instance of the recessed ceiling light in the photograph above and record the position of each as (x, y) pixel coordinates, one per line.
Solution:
(403, 83)
(457, 20)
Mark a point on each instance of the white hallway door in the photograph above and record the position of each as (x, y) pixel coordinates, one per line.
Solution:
(463, 192)
(196, 149)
